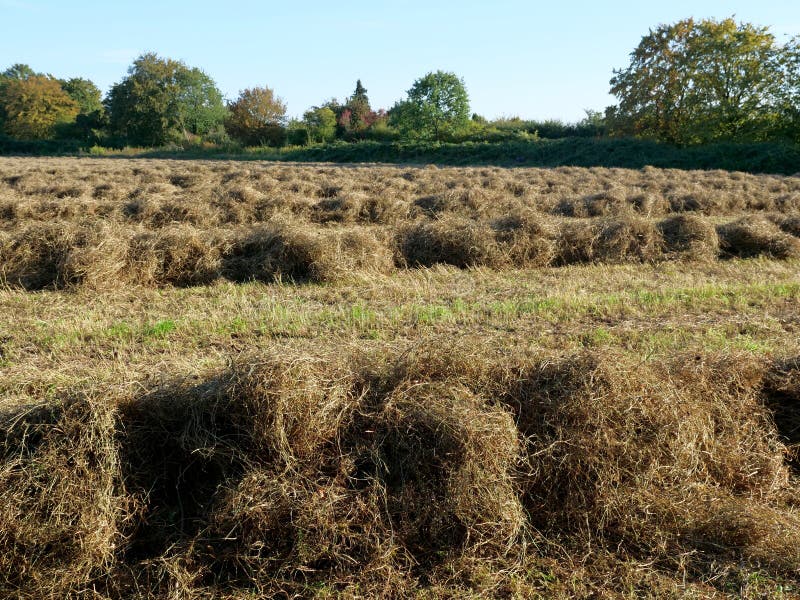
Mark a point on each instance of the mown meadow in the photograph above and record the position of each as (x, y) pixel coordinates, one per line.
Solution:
(244, 379)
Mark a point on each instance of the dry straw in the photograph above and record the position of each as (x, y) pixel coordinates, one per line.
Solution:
(389, 473)
(68, 223)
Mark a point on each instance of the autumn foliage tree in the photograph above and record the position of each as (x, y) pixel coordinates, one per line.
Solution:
(358, 115)
(35, 107)
(700, 81)
(257, 117)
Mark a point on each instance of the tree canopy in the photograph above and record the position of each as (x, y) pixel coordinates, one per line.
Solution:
(437, 105)
(34, 107)
(688, 82)
(85, 94)
(321, 123)
(163, 100)
(256, 117)
(360, 112)
(699, 81)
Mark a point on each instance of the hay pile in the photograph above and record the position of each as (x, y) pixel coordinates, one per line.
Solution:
(400, 474)
(757, 236)
(285, 250)
(614, 240)
(690, 237)
(450, 240)
(526, 239)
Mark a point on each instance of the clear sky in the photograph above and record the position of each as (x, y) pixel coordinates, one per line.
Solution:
(533, 59)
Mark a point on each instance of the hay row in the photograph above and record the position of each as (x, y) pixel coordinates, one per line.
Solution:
(156, 194)
(391, 474)
(47, 255)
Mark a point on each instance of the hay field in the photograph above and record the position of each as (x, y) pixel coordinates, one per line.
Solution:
(238, 380)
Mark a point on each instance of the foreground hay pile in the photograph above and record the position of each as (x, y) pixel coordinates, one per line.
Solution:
(385, 474)
(97, 223)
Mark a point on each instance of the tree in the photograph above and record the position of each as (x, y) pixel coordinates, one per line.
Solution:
(321, 123)
(360, 115)
(162, 100)
(692, 82)
(19, 71)
(34, 107)
(789, 100)
(92, 116)
(85, 93)
(437, 106)
(16, 72)
(257, 117)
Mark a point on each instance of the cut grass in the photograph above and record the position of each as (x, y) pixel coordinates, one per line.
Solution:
(620, 428)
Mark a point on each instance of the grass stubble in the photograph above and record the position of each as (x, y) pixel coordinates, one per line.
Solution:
(236, 381)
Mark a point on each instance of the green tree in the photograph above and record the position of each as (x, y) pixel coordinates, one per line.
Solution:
(35, 107)
(162, 100)
(321, 123)
(692, 82)
(92, 118)
(738, 72)
(19, 71)
(656, 97)
(85, 93)
(437, 106)
(361, 115)
(257, 117)
(789, 99)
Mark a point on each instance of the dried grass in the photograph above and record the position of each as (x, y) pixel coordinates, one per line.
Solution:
(393, 473)
(179, 255)
(450, 240)
(690, 236)
(757, 236)
(526, 238)
(62, 506)
(617, 240)
(284, 250)
(189, 224)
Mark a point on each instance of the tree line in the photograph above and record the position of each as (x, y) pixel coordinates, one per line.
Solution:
(689, 82)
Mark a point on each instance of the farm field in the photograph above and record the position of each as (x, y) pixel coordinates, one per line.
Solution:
(238, 380)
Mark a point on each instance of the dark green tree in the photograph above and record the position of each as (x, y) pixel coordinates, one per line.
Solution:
(19, 71)
(85, 93)
(162, 100)
(437, 106)
(361, 115)
(92, 118)
(789, 100)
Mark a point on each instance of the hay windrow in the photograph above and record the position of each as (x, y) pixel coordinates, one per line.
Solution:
(757, 236)
(617, 240)
(186, 225)
(452, 241)
(690, 236)
(367, 471)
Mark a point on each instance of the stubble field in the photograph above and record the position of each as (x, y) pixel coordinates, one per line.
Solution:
(239, 380)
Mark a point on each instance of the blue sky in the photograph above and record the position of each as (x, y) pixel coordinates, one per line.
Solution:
(532, 59)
